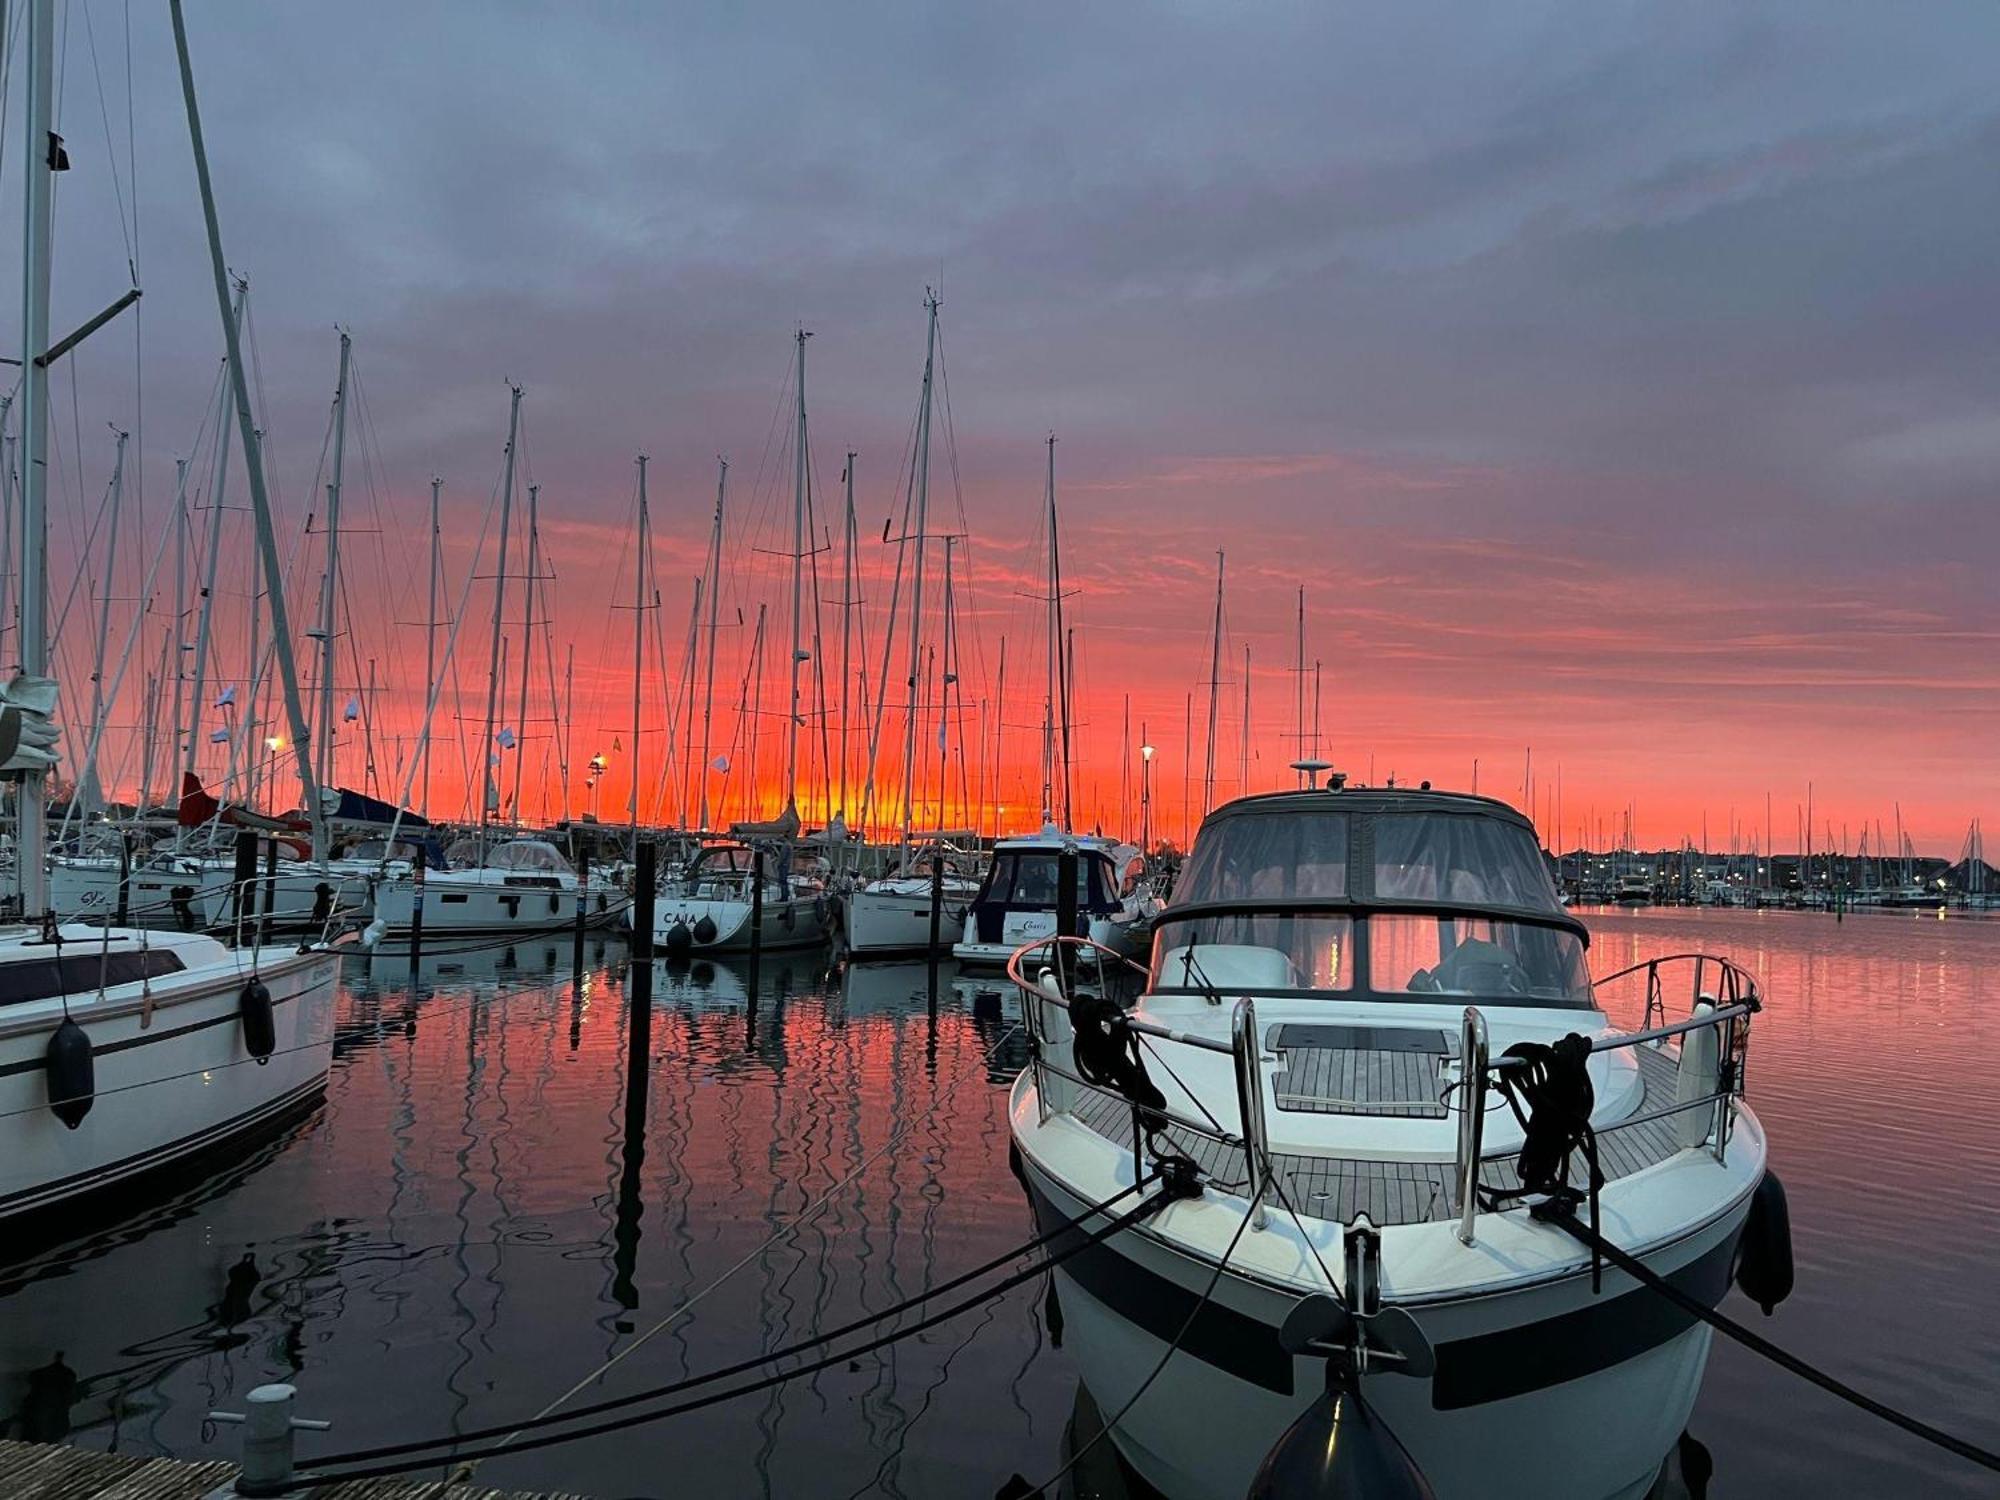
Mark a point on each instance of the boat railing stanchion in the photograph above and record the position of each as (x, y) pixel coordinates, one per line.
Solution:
(1250, 1099)
(1471, 1117)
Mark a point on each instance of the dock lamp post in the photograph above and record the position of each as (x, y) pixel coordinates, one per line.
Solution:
(1146, 798)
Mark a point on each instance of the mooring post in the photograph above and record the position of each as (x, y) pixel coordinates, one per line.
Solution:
(268, 1426)
(756, 904)
(582, 900)
(1066, 915)
(417, 911)
(270, 889)
(245, 878)
(937, 923)
(124, 879)
(639, 988)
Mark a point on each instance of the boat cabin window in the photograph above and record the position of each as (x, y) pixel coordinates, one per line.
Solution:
(1267, 857)
(1478, 956)
(1453, 857)
(83, 974)
(1253, 952)
(1028, 878)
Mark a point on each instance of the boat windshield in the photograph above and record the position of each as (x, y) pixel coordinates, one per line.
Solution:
(1451, 857)
(1260, 858)
(1028, 878)
(1387, 955)
(1480, 956)
(1254, 952)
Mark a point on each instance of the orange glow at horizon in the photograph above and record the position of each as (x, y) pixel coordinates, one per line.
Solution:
(1556, 679)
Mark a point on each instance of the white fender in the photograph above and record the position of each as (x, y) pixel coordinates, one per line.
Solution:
(1700, 1051)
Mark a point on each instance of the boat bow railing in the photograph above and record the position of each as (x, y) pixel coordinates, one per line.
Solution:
(1714, 1044)
(1045, 1007)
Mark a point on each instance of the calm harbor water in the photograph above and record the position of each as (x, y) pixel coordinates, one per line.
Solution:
(464, 1232)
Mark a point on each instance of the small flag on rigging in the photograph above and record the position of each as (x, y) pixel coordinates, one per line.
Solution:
(226, 697)
(507, 739)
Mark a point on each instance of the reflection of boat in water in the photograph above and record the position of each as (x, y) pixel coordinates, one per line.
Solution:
(726, 981)
(462, 960)
(1340, 976)
(877, 988)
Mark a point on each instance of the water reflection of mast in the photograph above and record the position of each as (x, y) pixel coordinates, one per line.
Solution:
(626, 1228)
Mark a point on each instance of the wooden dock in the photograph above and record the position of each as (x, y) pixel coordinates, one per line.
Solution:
(43, 1471)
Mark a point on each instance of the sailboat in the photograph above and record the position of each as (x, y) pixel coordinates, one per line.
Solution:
(763, 888)
(893, 915)
(1018, 902)
(123, 1050)
(496, 884)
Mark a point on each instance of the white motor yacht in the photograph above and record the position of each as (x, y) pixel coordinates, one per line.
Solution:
(1342, 983)
(124, 1050)
(522, 885)
(1016, 903)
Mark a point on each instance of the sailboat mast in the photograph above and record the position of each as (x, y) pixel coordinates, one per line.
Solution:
(430, 631)
(39, 148)
(527, 640)
(639, 641)
(1299, 688)
(1243, 764)
(1214, 693)
(847, 603)
(1054, 664)
(792, 714)
(489, 782)
(205, 627)
(917, 570)
(330, 579)
(947, 674)
(246, 429)
(93, 785)
(175, 634)
(714, 599)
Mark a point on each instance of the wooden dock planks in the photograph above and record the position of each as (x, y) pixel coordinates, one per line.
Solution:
(48, 1471)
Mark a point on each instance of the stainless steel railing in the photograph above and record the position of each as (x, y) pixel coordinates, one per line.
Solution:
(1725, 1009)
(1043, 994)
(1724, 998)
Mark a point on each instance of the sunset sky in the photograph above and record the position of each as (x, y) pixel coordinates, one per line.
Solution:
(1617, 380)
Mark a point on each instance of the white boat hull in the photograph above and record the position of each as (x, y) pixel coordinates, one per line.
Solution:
(725, 924)
(895, 917)
(165, 1087)
(491, 907)
(1497, 1421)
(174, 897)
(1113, 932)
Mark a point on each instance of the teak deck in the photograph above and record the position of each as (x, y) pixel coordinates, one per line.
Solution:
(1337, 1188)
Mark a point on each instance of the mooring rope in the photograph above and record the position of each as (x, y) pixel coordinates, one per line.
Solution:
(1562, 1213)
(1084, 1242)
